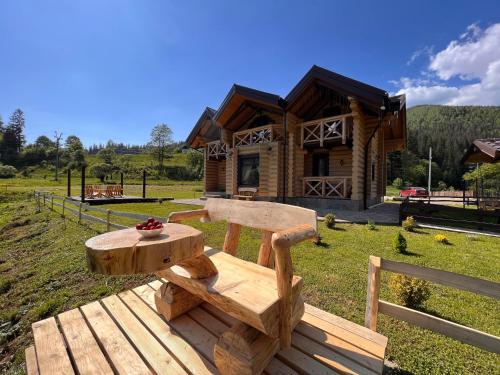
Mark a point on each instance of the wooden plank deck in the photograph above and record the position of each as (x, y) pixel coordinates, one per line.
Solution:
(124, 334)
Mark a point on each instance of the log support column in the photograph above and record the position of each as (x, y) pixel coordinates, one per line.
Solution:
(172, 300)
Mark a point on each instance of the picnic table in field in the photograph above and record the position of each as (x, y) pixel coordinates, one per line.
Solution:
(103, 191)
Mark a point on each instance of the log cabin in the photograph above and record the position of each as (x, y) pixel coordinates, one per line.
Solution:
(323, 146)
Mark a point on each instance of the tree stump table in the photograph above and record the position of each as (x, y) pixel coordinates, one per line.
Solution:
(126, 252)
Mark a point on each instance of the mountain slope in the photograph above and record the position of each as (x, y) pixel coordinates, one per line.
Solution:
(449, 131)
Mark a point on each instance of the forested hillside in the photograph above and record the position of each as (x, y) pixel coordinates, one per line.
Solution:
(449, 131)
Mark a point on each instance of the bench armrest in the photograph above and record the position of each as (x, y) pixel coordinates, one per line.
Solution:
(281, 242)
(292, 236)
(177, 217)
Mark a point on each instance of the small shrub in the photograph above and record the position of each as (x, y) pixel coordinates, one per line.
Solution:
(7, 171)
(330, 221)
(5, 285)
(399, 243)
(49, 307)
(409, 224)
(409, 291)
(371, 225)
(441, 238)
(397, 183)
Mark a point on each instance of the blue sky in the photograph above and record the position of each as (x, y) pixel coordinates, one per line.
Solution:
(113, 69)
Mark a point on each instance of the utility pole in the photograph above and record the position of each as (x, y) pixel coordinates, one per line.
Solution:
(430, 173)
(58, 140)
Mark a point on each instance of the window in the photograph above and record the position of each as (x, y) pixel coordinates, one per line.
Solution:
(373, 170)
(248, 170)
(320, 165)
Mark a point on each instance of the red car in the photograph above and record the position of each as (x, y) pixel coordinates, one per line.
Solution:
(413, 191)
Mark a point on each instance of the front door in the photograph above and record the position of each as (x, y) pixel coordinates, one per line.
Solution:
(320, 165)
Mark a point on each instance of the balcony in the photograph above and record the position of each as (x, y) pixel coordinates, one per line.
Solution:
(327, 187)
(262, 134)
(324, 130)
(216, 150)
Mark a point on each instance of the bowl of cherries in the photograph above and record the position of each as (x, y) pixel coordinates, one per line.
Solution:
(150, 228)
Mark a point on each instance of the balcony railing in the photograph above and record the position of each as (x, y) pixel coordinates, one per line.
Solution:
(262, 134)
(327, 187)
(323, 130)
(216, 150)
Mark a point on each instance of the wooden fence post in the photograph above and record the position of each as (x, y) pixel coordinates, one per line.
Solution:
(52, 202)
(108, 213)
(80, 213)
(63, 206)
(44, 198)
(372, 294)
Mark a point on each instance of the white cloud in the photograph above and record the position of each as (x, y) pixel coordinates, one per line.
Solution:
(475, 56)
(426, 51)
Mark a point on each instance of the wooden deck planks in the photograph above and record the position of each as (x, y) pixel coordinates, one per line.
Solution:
(50, 349)
(83, 347)
(180, 348)
(31, 362)
(155, 354)
(126, 333)
(123, 356)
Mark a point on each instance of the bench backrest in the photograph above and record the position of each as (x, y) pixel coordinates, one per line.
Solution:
(268, 216)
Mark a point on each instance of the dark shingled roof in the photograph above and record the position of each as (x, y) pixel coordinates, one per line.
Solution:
(251, 94)
(207, 114)
(483, 151)
(370, 95)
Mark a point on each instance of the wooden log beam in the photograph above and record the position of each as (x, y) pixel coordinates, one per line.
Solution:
(232, 238)
(172, 300)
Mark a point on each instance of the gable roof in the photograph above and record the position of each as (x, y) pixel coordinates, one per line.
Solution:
(483, 151)
(367, 94)
(239, 94)
(204, 126)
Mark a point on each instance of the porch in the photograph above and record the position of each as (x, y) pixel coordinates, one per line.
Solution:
(124, 333)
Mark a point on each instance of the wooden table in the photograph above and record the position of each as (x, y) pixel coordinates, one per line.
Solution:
(126, 252)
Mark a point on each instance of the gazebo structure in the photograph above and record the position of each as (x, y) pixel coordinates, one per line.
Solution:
(483, 151)
(105, 194)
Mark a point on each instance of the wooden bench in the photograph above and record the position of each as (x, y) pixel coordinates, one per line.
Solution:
(262, 315)
(246, 193)
(125, 334)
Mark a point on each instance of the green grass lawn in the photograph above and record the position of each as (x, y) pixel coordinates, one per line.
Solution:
(43, 271)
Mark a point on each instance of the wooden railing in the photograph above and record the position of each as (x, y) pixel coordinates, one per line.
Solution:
(262, 134)
(459, 332)
(326, 187)
(323, 130)
(216, 150)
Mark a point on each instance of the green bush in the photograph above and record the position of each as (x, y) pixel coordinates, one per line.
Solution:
(5, 285)
(7, 171)
(371, 225)
(409, 291)
(399, 243)
(409, 224)
(330, 221)
(397, 183)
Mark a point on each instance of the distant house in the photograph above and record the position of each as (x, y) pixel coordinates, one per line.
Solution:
(483, 151)
(323, 146)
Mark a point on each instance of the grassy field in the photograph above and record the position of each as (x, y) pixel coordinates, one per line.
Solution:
(43, 271)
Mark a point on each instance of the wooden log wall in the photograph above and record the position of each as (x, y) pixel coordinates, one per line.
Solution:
(358, 152)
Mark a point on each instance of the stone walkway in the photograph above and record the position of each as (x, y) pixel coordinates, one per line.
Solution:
(386, 213)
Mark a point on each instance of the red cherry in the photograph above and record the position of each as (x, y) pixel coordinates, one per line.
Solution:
(159, 226)
(138, 226)
(151, 220)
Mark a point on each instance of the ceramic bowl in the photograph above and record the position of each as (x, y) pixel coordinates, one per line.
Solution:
(150, 233)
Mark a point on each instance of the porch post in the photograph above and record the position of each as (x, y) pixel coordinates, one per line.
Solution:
(358, 152)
